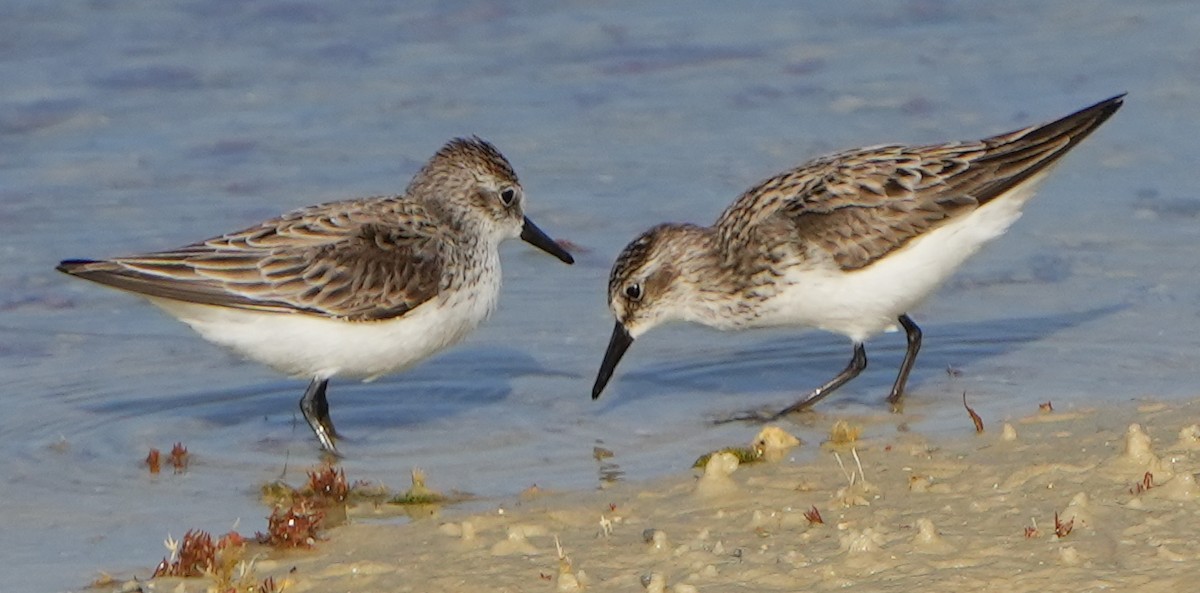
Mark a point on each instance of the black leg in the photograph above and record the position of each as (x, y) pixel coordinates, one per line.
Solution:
(856, 366)
(315, 408)
(910, 357)
(857, 363)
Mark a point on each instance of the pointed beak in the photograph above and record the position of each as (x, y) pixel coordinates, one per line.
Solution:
(534, 236)
(617, 345)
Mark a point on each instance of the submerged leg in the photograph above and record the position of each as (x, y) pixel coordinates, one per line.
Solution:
(910, 357)
(315, 408)
(857, 363)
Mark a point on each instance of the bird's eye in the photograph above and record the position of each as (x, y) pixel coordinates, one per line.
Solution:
(508, 196)
(634, 292)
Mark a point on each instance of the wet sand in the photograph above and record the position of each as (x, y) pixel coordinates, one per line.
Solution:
(141, 125)
(899, 512)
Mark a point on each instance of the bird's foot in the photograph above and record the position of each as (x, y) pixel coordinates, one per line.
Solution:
(756, 416)
(327, 437)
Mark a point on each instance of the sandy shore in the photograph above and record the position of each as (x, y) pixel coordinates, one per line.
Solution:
(900, 512)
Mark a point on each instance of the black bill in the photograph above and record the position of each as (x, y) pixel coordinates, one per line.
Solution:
(534, 236)
(617, 345)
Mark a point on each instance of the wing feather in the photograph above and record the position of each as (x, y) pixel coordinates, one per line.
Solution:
(363, 260)
(857, 206)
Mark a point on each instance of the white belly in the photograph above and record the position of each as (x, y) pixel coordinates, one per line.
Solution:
(865, 302)
(313, 346)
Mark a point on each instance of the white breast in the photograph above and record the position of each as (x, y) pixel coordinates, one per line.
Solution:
(310, 345)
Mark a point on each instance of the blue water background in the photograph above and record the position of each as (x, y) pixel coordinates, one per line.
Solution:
(130, 126)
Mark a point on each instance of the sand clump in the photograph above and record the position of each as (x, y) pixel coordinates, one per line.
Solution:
(1082, 500)
(717, 478)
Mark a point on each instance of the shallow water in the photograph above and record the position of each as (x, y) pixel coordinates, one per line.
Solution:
(127, 127)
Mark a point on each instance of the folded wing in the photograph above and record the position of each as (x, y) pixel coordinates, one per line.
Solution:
(858, 206)
(327, 260)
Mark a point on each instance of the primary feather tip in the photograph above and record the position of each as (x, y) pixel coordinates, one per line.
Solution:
(70, 266)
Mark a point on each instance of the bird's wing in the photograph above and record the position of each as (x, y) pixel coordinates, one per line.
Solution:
(363, 260)
(860, 205)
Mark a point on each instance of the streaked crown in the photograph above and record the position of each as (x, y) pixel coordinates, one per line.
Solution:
(469, 179)
(646, 286)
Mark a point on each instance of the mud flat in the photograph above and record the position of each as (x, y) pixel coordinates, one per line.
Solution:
(1073, 500)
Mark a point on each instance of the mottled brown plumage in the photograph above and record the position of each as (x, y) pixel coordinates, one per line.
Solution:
(859, 205)
(358, 260)
(360, 287)
(847, 243)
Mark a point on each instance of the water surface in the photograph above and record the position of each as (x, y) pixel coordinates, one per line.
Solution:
(129, 126)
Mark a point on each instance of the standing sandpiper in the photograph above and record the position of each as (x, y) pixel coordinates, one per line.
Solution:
(359, 288)
(846, 243)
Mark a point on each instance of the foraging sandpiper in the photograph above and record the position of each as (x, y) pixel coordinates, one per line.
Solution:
(357, 288)
(846, 243)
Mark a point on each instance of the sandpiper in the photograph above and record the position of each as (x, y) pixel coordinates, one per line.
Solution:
(357, 288)
(847, 243)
